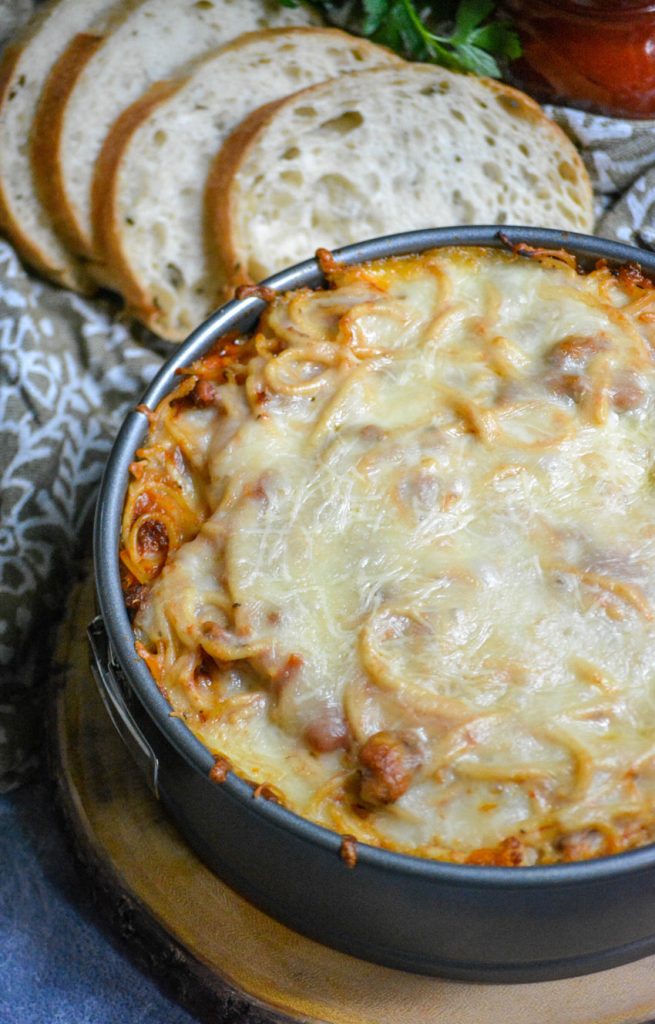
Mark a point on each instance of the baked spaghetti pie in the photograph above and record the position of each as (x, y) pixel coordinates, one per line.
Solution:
(391, 556)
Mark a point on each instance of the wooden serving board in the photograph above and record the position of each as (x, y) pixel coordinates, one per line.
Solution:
(224, 959)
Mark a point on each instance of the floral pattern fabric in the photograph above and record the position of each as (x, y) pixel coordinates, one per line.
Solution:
(69, 372)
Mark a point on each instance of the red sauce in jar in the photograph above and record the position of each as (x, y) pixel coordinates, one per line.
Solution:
(594, 54)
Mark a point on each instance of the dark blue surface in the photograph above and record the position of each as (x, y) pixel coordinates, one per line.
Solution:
(58, 963)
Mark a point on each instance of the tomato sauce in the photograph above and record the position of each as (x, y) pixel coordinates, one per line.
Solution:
(595, 54)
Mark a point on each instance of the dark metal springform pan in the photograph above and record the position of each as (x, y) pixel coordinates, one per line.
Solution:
(461, 921)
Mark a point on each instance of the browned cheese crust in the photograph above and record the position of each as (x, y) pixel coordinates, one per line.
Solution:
(405, 736)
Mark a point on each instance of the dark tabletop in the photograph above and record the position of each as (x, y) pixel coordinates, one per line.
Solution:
(58, 962)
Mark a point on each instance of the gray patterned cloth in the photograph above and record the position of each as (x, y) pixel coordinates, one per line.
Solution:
(69, 371)
(68, 374)
(620, 158)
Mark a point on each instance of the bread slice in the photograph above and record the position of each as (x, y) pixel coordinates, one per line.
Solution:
(86, 94)
(388, 150)
(25, 65)
(150, 177)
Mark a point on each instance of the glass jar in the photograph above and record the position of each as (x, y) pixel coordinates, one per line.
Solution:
(595, 54)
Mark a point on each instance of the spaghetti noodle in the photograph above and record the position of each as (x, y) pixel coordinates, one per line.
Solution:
(392, 556)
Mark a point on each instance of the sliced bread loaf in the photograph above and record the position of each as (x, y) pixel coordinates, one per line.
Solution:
(387, 150)
(150, 177)
(154, 39)
(25, 66)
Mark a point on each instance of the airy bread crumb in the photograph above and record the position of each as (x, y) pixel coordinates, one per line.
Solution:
(388, 150)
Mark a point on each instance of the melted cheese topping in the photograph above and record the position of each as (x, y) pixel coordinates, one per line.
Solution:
(409, 535)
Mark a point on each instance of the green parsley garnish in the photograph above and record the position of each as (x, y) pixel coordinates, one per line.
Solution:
(472, 44)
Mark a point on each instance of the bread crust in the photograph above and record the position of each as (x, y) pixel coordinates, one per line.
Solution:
(68, 213)
(112, 265)
(220, 228)
(222, 242)
(45, 142)
(8, 224)
(109, 266)
(524, 106)
(227, 247)
(69, 275)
